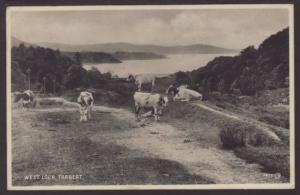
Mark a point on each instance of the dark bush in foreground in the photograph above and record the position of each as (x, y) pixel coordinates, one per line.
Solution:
(233, 136)
(239, 134)
(274, 159)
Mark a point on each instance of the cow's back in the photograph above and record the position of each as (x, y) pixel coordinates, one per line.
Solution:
(146, 99)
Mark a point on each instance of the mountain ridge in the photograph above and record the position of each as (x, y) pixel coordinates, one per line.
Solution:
(129, 47)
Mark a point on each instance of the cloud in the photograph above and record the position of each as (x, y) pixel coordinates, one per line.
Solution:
(226, 28)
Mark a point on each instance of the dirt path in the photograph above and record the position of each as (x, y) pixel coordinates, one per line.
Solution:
(113, 147)
(265, 127)
(164, 141)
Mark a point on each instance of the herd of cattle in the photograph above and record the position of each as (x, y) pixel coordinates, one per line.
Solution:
(142, 100)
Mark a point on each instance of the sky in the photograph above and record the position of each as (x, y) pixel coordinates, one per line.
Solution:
(229, 28)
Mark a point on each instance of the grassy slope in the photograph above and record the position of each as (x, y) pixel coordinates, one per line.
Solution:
(267, 107)
(273, 157)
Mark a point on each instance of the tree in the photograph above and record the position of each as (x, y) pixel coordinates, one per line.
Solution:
(76, 77)
(95, 77)
(77, 58)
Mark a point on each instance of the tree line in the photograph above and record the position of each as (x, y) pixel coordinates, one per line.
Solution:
(51, 71)
(252, 70)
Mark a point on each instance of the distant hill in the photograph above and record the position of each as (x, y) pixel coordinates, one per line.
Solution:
(251, 71)
(122, 55)
(115, 47)
(93, 57)
(16, 42)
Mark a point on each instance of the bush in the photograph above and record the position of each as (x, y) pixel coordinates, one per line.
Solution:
(182, 78)
(274, 159)
(239, 134)
(233, 136)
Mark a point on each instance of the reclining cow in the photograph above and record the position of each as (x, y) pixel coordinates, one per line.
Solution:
(27, 98)
(156, 102)
(85, 101)
(142, 79)
(182, 93)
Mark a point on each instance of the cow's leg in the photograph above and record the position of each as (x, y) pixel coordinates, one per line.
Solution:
(81, 114)
(85, 117)
(139, 86)
(23, 106)
(153, 84)
(156, 114)
(137, 110)
(89, 112)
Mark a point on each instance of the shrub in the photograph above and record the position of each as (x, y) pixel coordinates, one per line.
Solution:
(239, 134)
(273, 158)
(233, 135)
(182, 78)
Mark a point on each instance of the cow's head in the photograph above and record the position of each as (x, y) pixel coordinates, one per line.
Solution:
(172, 90)
(164, 101)
(130, 78)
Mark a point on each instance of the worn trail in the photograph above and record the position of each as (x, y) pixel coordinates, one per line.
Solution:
(164, 141)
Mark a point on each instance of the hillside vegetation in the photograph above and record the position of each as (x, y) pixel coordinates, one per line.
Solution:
(251, 71)
(93, 57)
(54, 69)
(122, 55)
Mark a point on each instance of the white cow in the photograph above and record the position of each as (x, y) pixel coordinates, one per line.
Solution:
(182, 93)
(142, 79)
(151, 101)
(27, 98)
(85, 101)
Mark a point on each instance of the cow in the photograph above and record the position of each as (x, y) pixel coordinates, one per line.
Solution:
(27, 98)
(85, 101)
(182, 93)
(156, 102)
(142, 79)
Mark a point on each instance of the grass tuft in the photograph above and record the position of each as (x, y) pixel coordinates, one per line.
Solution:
(239, 134)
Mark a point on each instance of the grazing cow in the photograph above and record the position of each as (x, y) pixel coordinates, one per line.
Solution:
(151, 101)
(85, 101)
(142, 79)
(27, 98)
(182, 93)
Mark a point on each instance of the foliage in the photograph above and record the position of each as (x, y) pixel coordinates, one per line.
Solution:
(273, 158)
(52, 70)
(182, 78)
(91, 57)
(239, 134)
(249, 72)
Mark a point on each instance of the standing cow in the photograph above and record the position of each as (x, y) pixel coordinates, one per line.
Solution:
(27, 98)
(142, 79)
(151, 101)
(85, 101)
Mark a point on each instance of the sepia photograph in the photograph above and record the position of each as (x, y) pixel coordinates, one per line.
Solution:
(150, 97)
